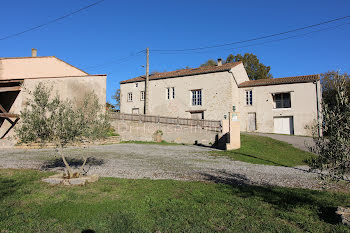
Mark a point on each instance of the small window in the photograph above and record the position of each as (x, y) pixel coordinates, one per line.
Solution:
(249, 97)
(130, 97)
(136, 84)
(142, 95)
(282, 100)
(168, 93)
(196, 97)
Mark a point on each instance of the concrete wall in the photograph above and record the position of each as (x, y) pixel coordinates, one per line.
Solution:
(34, 67)
(136, 131)
(303, 106)
(72, 88)
(219, 94)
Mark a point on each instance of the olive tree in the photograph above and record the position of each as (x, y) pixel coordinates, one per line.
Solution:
(47, 119)
(333, 150)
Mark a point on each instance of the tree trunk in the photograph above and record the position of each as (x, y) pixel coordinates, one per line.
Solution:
(69, 170)
(82, 166)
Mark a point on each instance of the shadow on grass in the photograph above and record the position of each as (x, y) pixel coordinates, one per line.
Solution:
(8, 187)
(286, 199)
(73, 162)
(257, 158)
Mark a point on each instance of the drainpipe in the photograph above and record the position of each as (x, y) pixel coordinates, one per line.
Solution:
(317, 84)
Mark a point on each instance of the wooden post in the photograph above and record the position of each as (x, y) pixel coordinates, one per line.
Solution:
(146, 110)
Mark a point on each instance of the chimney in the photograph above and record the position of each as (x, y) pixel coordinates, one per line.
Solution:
(34, 52)
(219, 62)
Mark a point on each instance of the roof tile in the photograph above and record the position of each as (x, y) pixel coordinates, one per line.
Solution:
(185, 72)
(276, 81)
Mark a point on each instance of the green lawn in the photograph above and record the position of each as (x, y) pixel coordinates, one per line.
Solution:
(265, 150)
(121, 205)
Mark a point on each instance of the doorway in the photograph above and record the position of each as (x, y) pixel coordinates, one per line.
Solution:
(283, 125)
(251, 121)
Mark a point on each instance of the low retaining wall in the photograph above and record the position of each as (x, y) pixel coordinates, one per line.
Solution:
(144, 131)
(10, 144)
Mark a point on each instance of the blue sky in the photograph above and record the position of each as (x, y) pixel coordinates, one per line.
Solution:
(96, 39)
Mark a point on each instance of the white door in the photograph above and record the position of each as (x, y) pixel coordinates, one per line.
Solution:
(135, 111)
(251, 121)
(197, 115)
(283, 125)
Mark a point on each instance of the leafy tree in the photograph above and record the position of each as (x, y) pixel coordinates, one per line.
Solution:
(333, 151)
(52, 120)
(210, 62)
(329, 91)
(254, 68)
(110, 107)
(116, 97)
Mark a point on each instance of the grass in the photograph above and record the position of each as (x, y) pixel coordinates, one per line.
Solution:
(265, 150)
(164, 143)
(121, 205)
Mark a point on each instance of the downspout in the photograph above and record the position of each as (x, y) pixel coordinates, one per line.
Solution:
(318, 106)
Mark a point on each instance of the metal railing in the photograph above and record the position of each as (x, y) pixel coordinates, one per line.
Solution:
(204, 124)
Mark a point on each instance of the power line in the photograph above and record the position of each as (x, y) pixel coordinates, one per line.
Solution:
(50, 22)
(265, 42)
(122, 60)
(253, 39)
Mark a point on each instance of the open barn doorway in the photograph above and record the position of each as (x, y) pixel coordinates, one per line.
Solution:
(9, 91)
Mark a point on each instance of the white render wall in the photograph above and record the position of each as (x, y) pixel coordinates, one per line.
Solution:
(303, 106)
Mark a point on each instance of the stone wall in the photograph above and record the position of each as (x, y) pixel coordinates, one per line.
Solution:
(144, 131)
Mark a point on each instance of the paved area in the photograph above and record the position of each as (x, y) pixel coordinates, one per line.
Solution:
(161, 162)
(297, 141)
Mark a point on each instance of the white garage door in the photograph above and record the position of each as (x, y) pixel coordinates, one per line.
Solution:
(283, 125)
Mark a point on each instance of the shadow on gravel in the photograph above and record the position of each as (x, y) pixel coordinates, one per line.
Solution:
(224, 177)
(286, 199)
(73, 162)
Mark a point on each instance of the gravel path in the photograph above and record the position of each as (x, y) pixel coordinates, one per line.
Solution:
(162, 162)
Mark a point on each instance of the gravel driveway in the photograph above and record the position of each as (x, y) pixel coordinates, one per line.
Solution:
(162, 162)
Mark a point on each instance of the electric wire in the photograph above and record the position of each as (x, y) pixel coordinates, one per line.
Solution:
(50, 22)
(261, 43)
(253, 39)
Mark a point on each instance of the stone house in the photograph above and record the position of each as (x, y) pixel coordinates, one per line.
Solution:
(280, 105)
(20, 75)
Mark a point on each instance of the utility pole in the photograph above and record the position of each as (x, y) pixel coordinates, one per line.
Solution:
(146, 110)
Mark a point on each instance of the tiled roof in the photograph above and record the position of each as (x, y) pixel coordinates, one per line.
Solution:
(185, 72)
(276, 81)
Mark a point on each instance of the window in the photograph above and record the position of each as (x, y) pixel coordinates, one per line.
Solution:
(130, 97)
(170, 93)
(142, 95)
(249, 97)
(136, 84)
(282, 100)
(196, 97)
